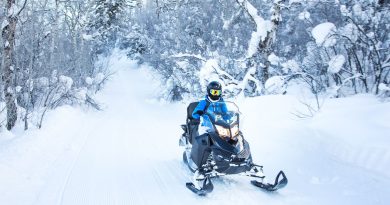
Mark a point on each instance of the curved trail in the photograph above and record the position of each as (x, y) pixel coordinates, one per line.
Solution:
(131, 156)
(127, 157)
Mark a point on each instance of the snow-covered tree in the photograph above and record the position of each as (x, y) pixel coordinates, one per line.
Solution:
(48, 42)
(105, 21)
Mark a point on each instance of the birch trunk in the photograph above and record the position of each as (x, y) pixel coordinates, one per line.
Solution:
(8, 35)
(264, 35)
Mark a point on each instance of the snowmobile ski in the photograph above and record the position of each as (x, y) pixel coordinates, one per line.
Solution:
(272, 187)
(206, 188)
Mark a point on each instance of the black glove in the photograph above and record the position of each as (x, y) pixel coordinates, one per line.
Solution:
(195, 121)
(200, 112)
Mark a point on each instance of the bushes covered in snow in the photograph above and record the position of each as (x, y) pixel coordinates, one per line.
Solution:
(338, 44)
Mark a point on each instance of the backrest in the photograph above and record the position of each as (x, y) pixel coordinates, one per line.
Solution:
(190, 109)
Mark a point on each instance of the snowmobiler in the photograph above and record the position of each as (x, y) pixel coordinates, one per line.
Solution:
(213, 98)
(218, 148)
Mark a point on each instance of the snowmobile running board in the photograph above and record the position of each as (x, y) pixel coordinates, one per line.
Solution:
(273, 187)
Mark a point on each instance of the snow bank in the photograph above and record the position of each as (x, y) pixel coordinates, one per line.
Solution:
(359, 136)
(275, 85)
(26, 158)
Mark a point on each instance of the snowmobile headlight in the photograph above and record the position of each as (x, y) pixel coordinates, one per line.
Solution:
(235, 130)
(223, 132)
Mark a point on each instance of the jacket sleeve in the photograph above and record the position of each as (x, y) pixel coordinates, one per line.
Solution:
(199, 110)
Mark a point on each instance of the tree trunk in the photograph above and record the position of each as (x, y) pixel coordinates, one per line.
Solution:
(265, 42)
(265, 46)
(8, 34)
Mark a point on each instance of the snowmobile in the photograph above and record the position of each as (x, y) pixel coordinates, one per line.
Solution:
(217, 147)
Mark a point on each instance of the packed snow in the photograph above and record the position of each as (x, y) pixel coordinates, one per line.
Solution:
(129, 154)
(275, 85)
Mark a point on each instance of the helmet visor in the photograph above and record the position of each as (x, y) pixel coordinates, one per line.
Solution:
(214, 92)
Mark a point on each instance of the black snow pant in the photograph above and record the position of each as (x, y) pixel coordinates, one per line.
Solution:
(193, 130)
(200, 149)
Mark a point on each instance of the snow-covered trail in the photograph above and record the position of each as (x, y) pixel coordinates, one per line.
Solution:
(129, 154)
(125, 158)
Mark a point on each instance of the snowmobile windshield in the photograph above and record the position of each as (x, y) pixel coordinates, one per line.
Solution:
(223, 113)
(223, 118)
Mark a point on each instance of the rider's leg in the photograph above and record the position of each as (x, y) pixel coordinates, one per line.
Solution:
(194, 132)
(200, 149)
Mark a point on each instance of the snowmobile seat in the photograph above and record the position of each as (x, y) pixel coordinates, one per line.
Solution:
(190, 109)
(191, 123)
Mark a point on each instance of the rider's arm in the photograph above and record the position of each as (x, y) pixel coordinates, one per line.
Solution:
(199, 110)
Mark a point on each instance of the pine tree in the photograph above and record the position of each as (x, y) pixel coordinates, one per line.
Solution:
(106, 20)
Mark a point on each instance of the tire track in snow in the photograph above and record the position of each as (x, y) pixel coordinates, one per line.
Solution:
(70, 171)
(61, 168)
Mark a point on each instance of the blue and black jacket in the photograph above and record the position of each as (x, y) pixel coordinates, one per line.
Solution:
(207, 105)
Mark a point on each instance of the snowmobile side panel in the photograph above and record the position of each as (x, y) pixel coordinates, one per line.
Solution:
(188, 161)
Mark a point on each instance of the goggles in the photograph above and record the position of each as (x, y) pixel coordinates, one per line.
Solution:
(215, 92)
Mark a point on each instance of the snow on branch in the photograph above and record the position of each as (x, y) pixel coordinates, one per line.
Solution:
(336, 63)
(14, 11)
(4, 24)
(262, 27)
(227, 22)
(386, 63)
(322, 32)
(183, 55)
(211, 69)
(21, 9)
(249, 77)
(384, 87)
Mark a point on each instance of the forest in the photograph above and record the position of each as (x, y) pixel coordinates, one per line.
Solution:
(53, 51)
